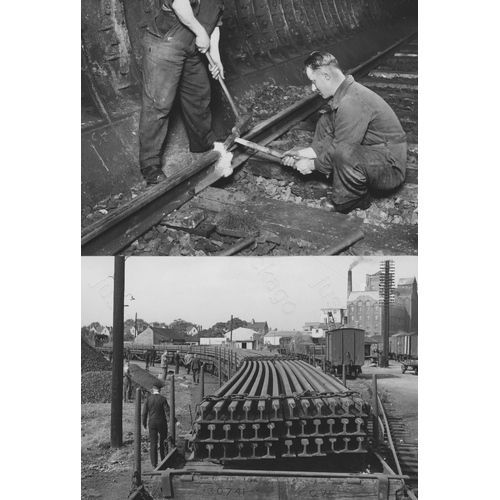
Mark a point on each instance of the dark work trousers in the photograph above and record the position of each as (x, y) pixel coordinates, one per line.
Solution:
(196, 375)
(157, 427)
(356, 167)
(169, 68)
(127, 389)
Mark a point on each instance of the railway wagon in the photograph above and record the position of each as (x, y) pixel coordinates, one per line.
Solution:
(404, 346)
(345, 346)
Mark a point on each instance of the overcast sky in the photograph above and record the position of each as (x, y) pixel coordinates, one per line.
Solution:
(286, 292)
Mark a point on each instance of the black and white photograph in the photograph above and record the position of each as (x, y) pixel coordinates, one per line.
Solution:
(238, 127)
(256, 377)
(283, 133)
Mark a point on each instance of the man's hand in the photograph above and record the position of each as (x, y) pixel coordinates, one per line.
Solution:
(305, 166)
(203, 42)
(216, 69)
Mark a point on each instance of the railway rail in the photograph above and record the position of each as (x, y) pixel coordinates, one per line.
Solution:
(120, 228)
(286, 412)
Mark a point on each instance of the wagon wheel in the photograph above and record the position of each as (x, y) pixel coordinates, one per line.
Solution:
(403, 368)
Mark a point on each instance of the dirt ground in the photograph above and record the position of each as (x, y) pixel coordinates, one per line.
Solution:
(107, 473)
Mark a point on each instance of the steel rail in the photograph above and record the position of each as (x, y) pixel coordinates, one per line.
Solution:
(120, 228)
(388, 431)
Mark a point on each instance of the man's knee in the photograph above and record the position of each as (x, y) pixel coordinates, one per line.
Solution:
(344, 153)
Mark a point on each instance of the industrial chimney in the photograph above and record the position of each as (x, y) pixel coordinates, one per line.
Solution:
(349, 283)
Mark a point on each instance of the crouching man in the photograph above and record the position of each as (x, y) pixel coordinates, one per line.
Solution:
(360, 143)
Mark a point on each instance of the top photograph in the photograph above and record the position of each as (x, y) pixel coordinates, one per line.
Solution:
(249, 128)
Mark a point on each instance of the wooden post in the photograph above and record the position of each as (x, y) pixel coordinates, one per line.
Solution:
(324, 357)
(116, 440)
(343, 376)
(314, 355)
(137, 436)
(229, 358)
(202, 381)
(172, 409)
(375, 409)
(220, 366)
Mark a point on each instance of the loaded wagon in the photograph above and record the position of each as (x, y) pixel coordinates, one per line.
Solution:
(345, 346)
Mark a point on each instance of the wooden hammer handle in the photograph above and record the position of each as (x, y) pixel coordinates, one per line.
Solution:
(224, 88)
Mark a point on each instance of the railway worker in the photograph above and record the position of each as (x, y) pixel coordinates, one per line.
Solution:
(127, 383)
(360, 143)
(164, 364)
(146, 358)
(177, 361)
(196, 366)
(153, 356)
(187, 361)
(174, 45)
(157, 410)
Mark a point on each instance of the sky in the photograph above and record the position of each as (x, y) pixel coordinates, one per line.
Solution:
(286, 292)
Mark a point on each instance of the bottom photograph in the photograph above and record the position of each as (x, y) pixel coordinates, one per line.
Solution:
(249, 378)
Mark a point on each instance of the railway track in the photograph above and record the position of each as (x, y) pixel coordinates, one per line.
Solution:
(400, 454)
(277, 227)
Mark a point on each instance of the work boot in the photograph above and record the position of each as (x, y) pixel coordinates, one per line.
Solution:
(362, 203)
(153, 175)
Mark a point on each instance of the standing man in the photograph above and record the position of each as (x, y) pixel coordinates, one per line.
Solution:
(360, 143)
(157, 409)
(187, 361)
(153, 356)
(174, 44)
(127, 383)
(164, 364)
(196, 366)
(146, 359)
(177, 361)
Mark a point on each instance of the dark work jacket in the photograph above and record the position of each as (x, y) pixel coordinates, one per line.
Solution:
(360, 116)
(157, 408)
(196, 363)
(166, 24)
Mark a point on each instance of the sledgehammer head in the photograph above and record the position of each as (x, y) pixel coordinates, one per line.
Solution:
(239, 128)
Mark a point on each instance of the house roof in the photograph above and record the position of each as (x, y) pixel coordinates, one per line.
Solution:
(258, 325)
(314, 323)
(153, 335)
(167, 333)
(406, 281)
(374, 295)
(284, 333)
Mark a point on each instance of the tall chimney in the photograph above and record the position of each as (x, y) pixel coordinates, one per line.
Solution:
(349, 283)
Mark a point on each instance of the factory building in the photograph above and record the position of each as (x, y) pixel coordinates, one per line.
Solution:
(364, 310)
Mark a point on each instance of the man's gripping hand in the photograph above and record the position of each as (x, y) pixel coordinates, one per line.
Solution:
(203, 42)
(305, 165)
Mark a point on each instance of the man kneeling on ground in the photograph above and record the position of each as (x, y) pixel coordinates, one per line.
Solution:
(361, 142)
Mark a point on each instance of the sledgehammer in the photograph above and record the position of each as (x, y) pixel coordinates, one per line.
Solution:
(265, 149)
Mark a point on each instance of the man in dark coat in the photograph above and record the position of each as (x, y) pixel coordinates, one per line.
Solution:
(360, 143)
(146, 358)
(157, 410)
(196, 366)
(153, 356)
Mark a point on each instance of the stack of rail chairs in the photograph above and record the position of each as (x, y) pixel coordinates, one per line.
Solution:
(279, 408)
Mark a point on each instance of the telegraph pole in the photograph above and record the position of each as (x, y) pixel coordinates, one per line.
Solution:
(117, 374)
(386, 297)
